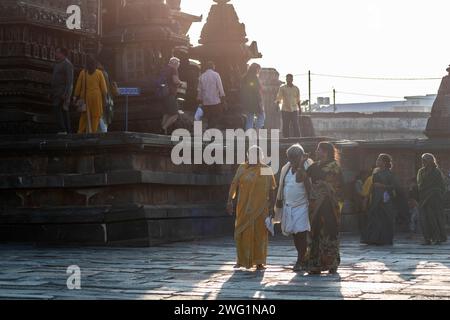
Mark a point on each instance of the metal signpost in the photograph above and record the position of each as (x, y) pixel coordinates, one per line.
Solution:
(128, 92)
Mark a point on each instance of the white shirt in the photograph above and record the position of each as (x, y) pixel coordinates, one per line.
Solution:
(210, 88)
(294, 193)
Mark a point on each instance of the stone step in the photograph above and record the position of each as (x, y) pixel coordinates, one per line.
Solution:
(108, 214)
(116, 195)
(119, 177)
(103, 226)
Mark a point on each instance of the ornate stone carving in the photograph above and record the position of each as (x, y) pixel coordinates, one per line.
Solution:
(141, 37)
(30, 31)
(439, 123)
(229, 50)
(144, 35)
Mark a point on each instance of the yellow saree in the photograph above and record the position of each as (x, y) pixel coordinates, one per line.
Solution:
(253, 193)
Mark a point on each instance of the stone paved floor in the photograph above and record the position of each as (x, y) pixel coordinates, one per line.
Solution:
(204, 270)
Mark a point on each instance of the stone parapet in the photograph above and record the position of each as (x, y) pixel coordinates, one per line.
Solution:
(123, 189)
(114, 189)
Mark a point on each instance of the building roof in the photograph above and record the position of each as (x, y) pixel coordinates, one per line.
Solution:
(381, 106)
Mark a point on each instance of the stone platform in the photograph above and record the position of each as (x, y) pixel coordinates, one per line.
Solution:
(109, 189)
(204, 270)
(112, 189)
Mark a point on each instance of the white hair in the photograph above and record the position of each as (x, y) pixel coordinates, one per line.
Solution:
(295, 151)
(429, 157)
(174, 60)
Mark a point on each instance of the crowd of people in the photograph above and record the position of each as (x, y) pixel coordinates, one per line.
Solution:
(212, 102)
(309, 202)
(94, 93)
(308, 205)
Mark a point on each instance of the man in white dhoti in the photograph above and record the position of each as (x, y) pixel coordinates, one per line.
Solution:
(292, 200)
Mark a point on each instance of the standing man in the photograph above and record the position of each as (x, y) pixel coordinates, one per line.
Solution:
(292, 201)
(289, 96)
(62, 87)
(211, 95)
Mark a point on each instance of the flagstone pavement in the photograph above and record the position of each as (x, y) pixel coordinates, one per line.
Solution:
(204, 270)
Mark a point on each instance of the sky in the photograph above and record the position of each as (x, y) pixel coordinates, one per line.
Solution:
(362, 38)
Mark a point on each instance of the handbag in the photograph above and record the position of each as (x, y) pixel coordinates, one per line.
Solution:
(109, 109)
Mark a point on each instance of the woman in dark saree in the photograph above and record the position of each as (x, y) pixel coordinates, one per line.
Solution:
(326, 178)
(432, 187)
(381, 214)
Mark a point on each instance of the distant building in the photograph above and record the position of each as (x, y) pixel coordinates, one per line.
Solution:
(410, 104)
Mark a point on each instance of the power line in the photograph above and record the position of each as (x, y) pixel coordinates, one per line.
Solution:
(323, 92)
(370, 78)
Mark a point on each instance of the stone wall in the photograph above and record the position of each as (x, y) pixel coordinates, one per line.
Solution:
(30, 33)
(115, 189)
(376, 126)
(109, 189)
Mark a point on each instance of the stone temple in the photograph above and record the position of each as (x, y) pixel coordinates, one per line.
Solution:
(122, 188)
(438, 125)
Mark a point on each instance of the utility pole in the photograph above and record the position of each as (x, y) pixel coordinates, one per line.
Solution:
(334, 100)
(309, 90)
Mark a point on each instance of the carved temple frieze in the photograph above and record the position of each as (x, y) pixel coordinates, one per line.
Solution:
(133, 39)
(229, 50)
(30, 32)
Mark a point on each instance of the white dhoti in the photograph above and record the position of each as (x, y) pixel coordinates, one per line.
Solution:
(295, 220)
(295, 217)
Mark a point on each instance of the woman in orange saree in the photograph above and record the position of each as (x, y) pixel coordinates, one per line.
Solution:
(254, 191)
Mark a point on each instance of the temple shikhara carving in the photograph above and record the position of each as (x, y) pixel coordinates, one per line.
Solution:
(139, 38)
(229, 50)
(439, 124)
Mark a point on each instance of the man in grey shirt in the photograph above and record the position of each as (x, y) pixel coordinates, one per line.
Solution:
(62, 87)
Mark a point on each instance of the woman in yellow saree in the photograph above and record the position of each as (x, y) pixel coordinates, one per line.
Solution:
(254, 192)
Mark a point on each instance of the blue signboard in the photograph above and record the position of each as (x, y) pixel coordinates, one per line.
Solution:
(130, 91)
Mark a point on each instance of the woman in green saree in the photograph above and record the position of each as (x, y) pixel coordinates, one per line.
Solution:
(381, 215)
(432, 188)
(326, 177)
